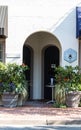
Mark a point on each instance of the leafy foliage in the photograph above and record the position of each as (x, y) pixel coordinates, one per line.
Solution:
(12, 77)
(69, 77)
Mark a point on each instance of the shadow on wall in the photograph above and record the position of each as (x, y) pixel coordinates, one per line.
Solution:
(66, 26)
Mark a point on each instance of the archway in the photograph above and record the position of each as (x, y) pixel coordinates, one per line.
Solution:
(51, 59)
(36, 46)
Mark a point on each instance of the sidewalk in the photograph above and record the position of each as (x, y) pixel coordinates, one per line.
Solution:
(39, 114)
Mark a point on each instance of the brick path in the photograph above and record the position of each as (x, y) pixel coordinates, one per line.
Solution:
(39, 114)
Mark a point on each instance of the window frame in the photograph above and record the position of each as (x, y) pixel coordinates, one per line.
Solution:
(2, 42)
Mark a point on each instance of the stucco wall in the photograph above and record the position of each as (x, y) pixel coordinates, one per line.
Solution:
(25, 18)
(66, 33)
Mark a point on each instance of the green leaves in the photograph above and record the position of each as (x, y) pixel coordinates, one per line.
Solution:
(12, 75)
(69, 77)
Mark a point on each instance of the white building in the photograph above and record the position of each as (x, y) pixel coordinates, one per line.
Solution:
(40, 33)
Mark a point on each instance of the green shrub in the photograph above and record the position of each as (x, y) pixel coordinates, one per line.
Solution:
(12, 77)
(69, 77)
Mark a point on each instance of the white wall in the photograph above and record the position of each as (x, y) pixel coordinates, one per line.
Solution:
(26, 17)
(66, 33)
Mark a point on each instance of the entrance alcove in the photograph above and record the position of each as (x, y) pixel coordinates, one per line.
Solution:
(40, 50)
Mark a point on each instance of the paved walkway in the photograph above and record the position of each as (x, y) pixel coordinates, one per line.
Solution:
(36, 113)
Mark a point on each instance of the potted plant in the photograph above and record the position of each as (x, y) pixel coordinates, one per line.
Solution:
(69, 79)
(12, 83)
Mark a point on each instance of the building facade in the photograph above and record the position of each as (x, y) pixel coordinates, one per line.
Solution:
(41, 34)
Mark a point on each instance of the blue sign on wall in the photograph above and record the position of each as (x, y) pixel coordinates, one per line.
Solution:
(78, 22)
(70, 55)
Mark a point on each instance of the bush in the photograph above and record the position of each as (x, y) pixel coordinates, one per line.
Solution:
(12, 77)
(69, 77)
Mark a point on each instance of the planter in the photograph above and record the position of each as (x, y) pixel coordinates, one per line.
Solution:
(9, 100)
(73, 99)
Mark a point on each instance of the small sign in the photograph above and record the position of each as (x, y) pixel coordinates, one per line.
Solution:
(70, 55)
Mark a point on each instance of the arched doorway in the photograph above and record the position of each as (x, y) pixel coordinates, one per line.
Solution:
(28, 60)
(36, 48)
(51, 59)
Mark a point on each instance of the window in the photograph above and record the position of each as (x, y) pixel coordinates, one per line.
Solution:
(2, 50)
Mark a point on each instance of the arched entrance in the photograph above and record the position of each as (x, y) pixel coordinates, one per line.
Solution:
(28, 60)
(38, 49)
(51, 59)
